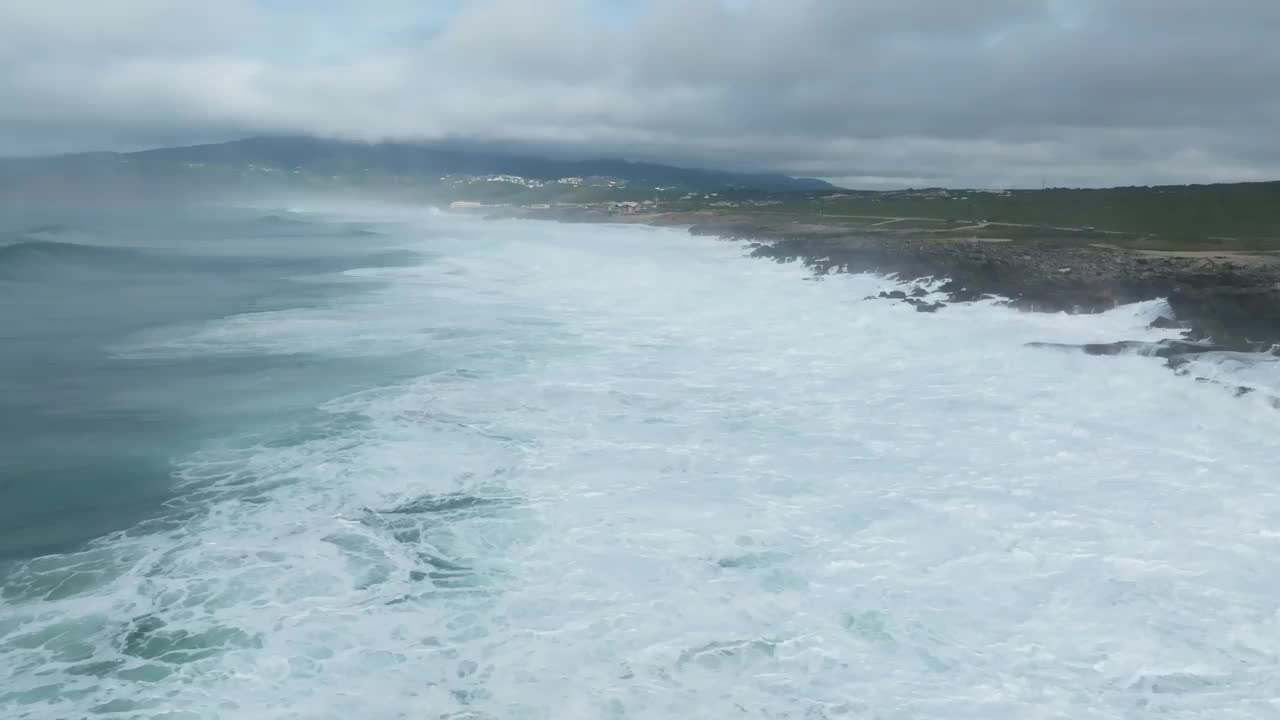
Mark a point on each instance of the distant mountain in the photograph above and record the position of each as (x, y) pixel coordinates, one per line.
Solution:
(369, 162)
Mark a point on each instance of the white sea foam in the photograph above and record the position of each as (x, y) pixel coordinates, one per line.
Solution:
(655, 479)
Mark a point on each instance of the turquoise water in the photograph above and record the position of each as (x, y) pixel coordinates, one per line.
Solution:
(391, 463)
(90, 435)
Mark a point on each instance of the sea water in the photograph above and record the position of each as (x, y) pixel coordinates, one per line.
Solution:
(392, 463)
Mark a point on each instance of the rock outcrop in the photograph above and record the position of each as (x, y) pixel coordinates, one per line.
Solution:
(1233, 300)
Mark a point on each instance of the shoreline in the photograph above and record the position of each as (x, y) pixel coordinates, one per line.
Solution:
(1223, 299)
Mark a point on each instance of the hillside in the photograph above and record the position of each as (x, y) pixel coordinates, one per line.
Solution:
(420, 168)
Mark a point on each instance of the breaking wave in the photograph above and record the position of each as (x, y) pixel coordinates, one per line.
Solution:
(625, 473)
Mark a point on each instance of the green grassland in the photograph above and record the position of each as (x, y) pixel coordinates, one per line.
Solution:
(1241, 216)
(1238, 215)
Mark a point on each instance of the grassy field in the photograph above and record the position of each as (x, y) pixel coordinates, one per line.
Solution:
(1211, 217)
(1238, 216)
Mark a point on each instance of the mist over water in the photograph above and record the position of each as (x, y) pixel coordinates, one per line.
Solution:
(398, 464)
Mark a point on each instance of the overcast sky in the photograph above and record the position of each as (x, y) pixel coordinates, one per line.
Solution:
(868, 93)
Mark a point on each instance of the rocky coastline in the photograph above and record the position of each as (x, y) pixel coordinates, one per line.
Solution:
(1230, 300)
(1222, 300)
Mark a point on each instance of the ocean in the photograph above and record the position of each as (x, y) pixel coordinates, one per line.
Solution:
(388, 462)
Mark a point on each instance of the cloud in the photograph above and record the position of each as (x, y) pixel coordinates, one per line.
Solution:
(983, 92)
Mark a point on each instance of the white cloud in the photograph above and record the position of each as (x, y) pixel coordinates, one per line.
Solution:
(988, 92)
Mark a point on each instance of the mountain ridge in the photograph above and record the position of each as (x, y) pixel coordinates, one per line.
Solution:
(421, 161)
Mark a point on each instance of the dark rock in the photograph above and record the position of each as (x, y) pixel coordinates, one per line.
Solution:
(922, 306)
(1164, 323)
(1237, 305)
(1176, 351)
(1229, 309)
(959, 293)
